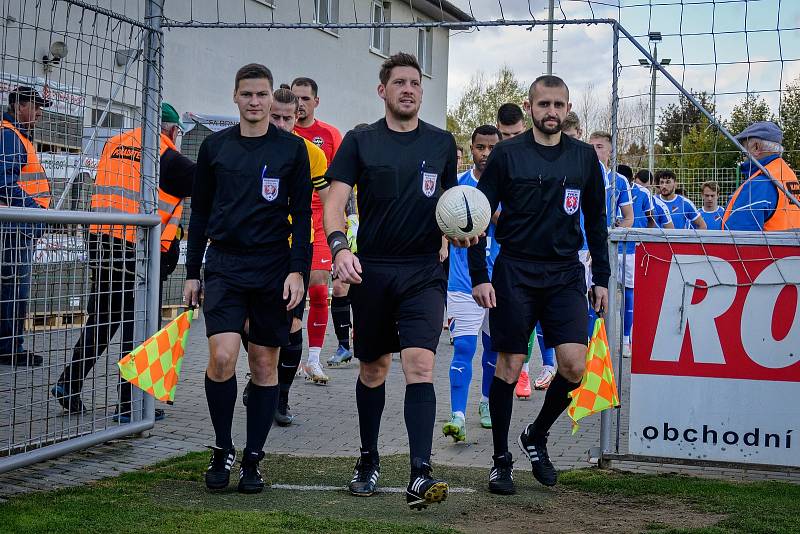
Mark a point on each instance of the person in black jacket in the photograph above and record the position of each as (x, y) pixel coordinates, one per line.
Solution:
(544, 180)
(400, 165)
(250, 178)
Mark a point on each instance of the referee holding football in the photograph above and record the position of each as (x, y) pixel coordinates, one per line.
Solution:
(400, 164)
(250, 178)
(544, 180)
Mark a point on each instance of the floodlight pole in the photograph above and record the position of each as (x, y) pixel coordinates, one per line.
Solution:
(550, 14)
(651, 162)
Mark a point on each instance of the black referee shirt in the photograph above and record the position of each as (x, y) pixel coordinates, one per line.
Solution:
(400, 176)
(543, 190)
(244, 190)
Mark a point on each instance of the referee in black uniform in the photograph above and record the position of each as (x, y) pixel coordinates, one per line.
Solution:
(400, 165)
(543, 180)
(250, 178)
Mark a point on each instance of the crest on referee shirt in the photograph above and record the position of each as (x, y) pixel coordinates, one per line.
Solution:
(429, 183)
(572, 201)
(269, 188)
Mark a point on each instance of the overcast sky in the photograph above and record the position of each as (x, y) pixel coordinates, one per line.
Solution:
(708, 45)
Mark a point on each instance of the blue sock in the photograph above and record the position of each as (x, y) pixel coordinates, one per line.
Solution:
(548, 354)
(628, 312)
(461, 371)
(489, 362)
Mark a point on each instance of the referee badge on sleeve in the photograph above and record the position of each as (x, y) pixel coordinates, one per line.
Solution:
(572, 201)
(269, 188)
(429, 183)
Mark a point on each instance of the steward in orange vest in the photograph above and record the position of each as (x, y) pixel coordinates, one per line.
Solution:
(24, 185)
(24, 180)
(112, 253)
(758, 205)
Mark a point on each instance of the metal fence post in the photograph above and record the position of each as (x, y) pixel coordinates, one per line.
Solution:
(148, 265)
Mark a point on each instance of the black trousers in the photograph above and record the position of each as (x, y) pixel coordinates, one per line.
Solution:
(112, 264)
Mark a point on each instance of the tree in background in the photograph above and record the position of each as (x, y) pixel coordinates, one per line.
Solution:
(789, 119)
(677, 119)
(479, 102)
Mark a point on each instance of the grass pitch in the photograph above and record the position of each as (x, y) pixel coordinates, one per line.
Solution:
(171, 497)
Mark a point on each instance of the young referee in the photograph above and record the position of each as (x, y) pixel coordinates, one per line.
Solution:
(400, 165)
(544, 180)
(250, 178)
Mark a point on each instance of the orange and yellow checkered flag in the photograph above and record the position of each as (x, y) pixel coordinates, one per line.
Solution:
(154, 366)
(598, 389)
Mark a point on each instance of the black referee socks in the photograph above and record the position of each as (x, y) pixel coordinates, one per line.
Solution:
(289, 361)
(340, 315)
(221, 398)
(501, 403)
(420, 414)
(261, 404)
(370, 403)
(556, 400)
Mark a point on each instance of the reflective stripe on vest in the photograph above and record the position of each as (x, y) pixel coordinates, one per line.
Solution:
(786, 215)
(117, 187)
(32, 177)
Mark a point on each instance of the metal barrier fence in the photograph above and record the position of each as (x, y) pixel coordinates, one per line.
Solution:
(36, 420)
(713, 366)
(74, 298)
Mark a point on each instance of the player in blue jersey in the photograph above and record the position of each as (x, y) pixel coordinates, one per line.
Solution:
(465, 317)
(711, 211)
(642, 205)
(660, 217)
(683, 211)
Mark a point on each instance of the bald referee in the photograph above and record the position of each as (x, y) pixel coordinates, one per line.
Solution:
(400, 164)
(544, 180)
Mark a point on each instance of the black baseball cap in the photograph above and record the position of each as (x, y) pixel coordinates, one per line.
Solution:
(24, 93)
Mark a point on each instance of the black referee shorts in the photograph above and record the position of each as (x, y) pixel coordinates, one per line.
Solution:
(399, 304)
(527, 292)
(242, 286)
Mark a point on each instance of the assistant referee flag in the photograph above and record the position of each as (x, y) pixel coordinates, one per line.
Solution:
(598, 389)
(154, 366)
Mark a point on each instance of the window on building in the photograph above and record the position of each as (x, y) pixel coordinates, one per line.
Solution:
(379, 37)
(327, 12)
(111, 120)
(425, 49)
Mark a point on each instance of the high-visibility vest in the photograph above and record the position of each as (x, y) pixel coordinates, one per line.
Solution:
(786, 215)
(32, 178)
(117, 188)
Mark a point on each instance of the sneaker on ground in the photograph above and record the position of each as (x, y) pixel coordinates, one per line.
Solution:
(250, 480)
(246, 390)
(626, 350)
(283, 414)
(365, 474)
(218, 474)
(546, 376)
(455, 428)
(301, 371)
(486, 417)
(342, 357)
(424, 490)
(71, 402)
(22, 358)
(316, 374)
(536, 451)
(501, 476)
(523, 389)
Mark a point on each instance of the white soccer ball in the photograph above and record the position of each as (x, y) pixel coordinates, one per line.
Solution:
(463, 212)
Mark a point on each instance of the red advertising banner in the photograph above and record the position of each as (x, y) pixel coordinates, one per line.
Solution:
(716, 353)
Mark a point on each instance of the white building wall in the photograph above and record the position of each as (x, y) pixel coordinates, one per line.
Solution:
(200, 64)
